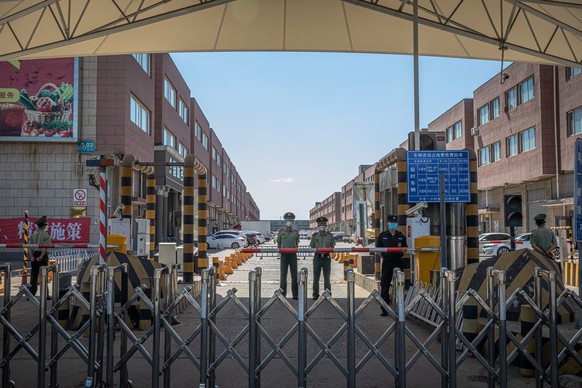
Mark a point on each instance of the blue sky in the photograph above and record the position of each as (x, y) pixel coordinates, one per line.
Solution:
(298, 125)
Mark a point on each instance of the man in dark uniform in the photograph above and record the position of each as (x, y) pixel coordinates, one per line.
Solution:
(391, 238)
(288, 238)
(321, 261)
(543, 240)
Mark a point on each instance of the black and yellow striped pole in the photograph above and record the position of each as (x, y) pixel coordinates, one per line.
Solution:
(25, 257)
(202, 216)
(192, 165)
(473, 212)
(126, 184)
(188, 217)
(151, 211)
(377, 215)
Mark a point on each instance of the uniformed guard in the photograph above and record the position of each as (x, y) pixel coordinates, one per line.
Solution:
(321, 261)
(392, 238)
(288, 238)
(543, 240)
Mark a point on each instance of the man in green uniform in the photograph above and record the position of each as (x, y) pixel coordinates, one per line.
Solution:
(321, 261)
(288, 238)
(39, 255)
(543, 240)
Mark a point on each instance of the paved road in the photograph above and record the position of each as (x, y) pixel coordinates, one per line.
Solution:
(324, 322)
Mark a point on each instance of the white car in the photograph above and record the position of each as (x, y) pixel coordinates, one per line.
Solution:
(231, 240)
(214, 243)
(521, 241)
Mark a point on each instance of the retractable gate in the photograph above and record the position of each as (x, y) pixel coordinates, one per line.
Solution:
(162, 345)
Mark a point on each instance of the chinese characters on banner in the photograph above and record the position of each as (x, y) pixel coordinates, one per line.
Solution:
(61, 230)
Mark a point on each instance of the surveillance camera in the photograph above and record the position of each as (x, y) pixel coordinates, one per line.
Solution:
(504, 76)
(119, 211)
(416, 208)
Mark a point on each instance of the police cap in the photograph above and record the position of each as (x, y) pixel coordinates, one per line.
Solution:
(289, 215)
(321, 220)
(540, 219)
(392, 218)
(41, 222)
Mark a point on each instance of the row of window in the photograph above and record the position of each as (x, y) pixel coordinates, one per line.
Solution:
(515, 144)
(455, 131)
(517, 95)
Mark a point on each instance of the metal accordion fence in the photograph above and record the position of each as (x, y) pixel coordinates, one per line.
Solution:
(106, 355)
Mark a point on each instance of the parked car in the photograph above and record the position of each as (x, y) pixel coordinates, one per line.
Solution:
(232, 240)
(214, 243)
(521, 241)
(493, 238)
(229, 231)
(339, 236)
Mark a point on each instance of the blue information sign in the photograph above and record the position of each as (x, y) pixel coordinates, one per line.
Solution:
(425, 168)
(578, 193)
(86, 146)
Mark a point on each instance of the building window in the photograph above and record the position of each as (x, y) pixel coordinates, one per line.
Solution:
(572, 71)
(483, 114)
(213, 181)
(169, 138)
(183, 111)
(574, 118)
(182, 149)
(218, 161)
(527, 140)
(495, 152)
(205, 141)
(144, 61)
(198, 131)
(458, 129)
(526, 90)
(450, 134)
(214, 154)
(139, 114)
(484, 156)
(170, 93)
(495, 108)
(511, 144)
(511, 99)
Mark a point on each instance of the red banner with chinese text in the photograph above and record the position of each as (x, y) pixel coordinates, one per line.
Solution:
(61, 230)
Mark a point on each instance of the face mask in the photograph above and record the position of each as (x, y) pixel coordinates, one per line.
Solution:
(321, 228)
(289, 223)
(392, 226)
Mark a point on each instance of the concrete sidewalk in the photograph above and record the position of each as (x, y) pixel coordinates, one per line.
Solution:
(323, 324)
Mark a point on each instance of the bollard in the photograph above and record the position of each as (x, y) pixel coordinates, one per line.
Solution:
(346, 266)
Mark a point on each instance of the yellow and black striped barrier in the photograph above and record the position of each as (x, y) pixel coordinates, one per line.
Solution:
(151, 211)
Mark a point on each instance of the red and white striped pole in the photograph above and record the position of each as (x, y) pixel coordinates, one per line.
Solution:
(102, 216)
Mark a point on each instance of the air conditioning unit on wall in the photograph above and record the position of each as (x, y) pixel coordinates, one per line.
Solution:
(474, 131)
(432, 140)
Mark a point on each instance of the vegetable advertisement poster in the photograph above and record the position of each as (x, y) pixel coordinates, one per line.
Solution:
(38, 100)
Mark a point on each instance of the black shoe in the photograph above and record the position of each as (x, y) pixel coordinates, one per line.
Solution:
(295, 297)
(384, 313)
(315, 297)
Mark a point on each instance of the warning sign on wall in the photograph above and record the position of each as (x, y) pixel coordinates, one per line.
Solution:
(80, 197)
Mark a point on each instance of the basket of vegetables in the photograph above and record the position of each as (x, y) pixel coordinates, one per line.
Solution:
(48, 111)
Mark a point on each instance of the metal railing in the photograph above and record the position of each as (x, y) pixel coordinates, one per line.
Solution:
(215, 347)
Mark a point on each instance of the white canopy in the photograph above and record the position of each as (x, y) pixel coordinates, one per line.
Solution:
(542, 31)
